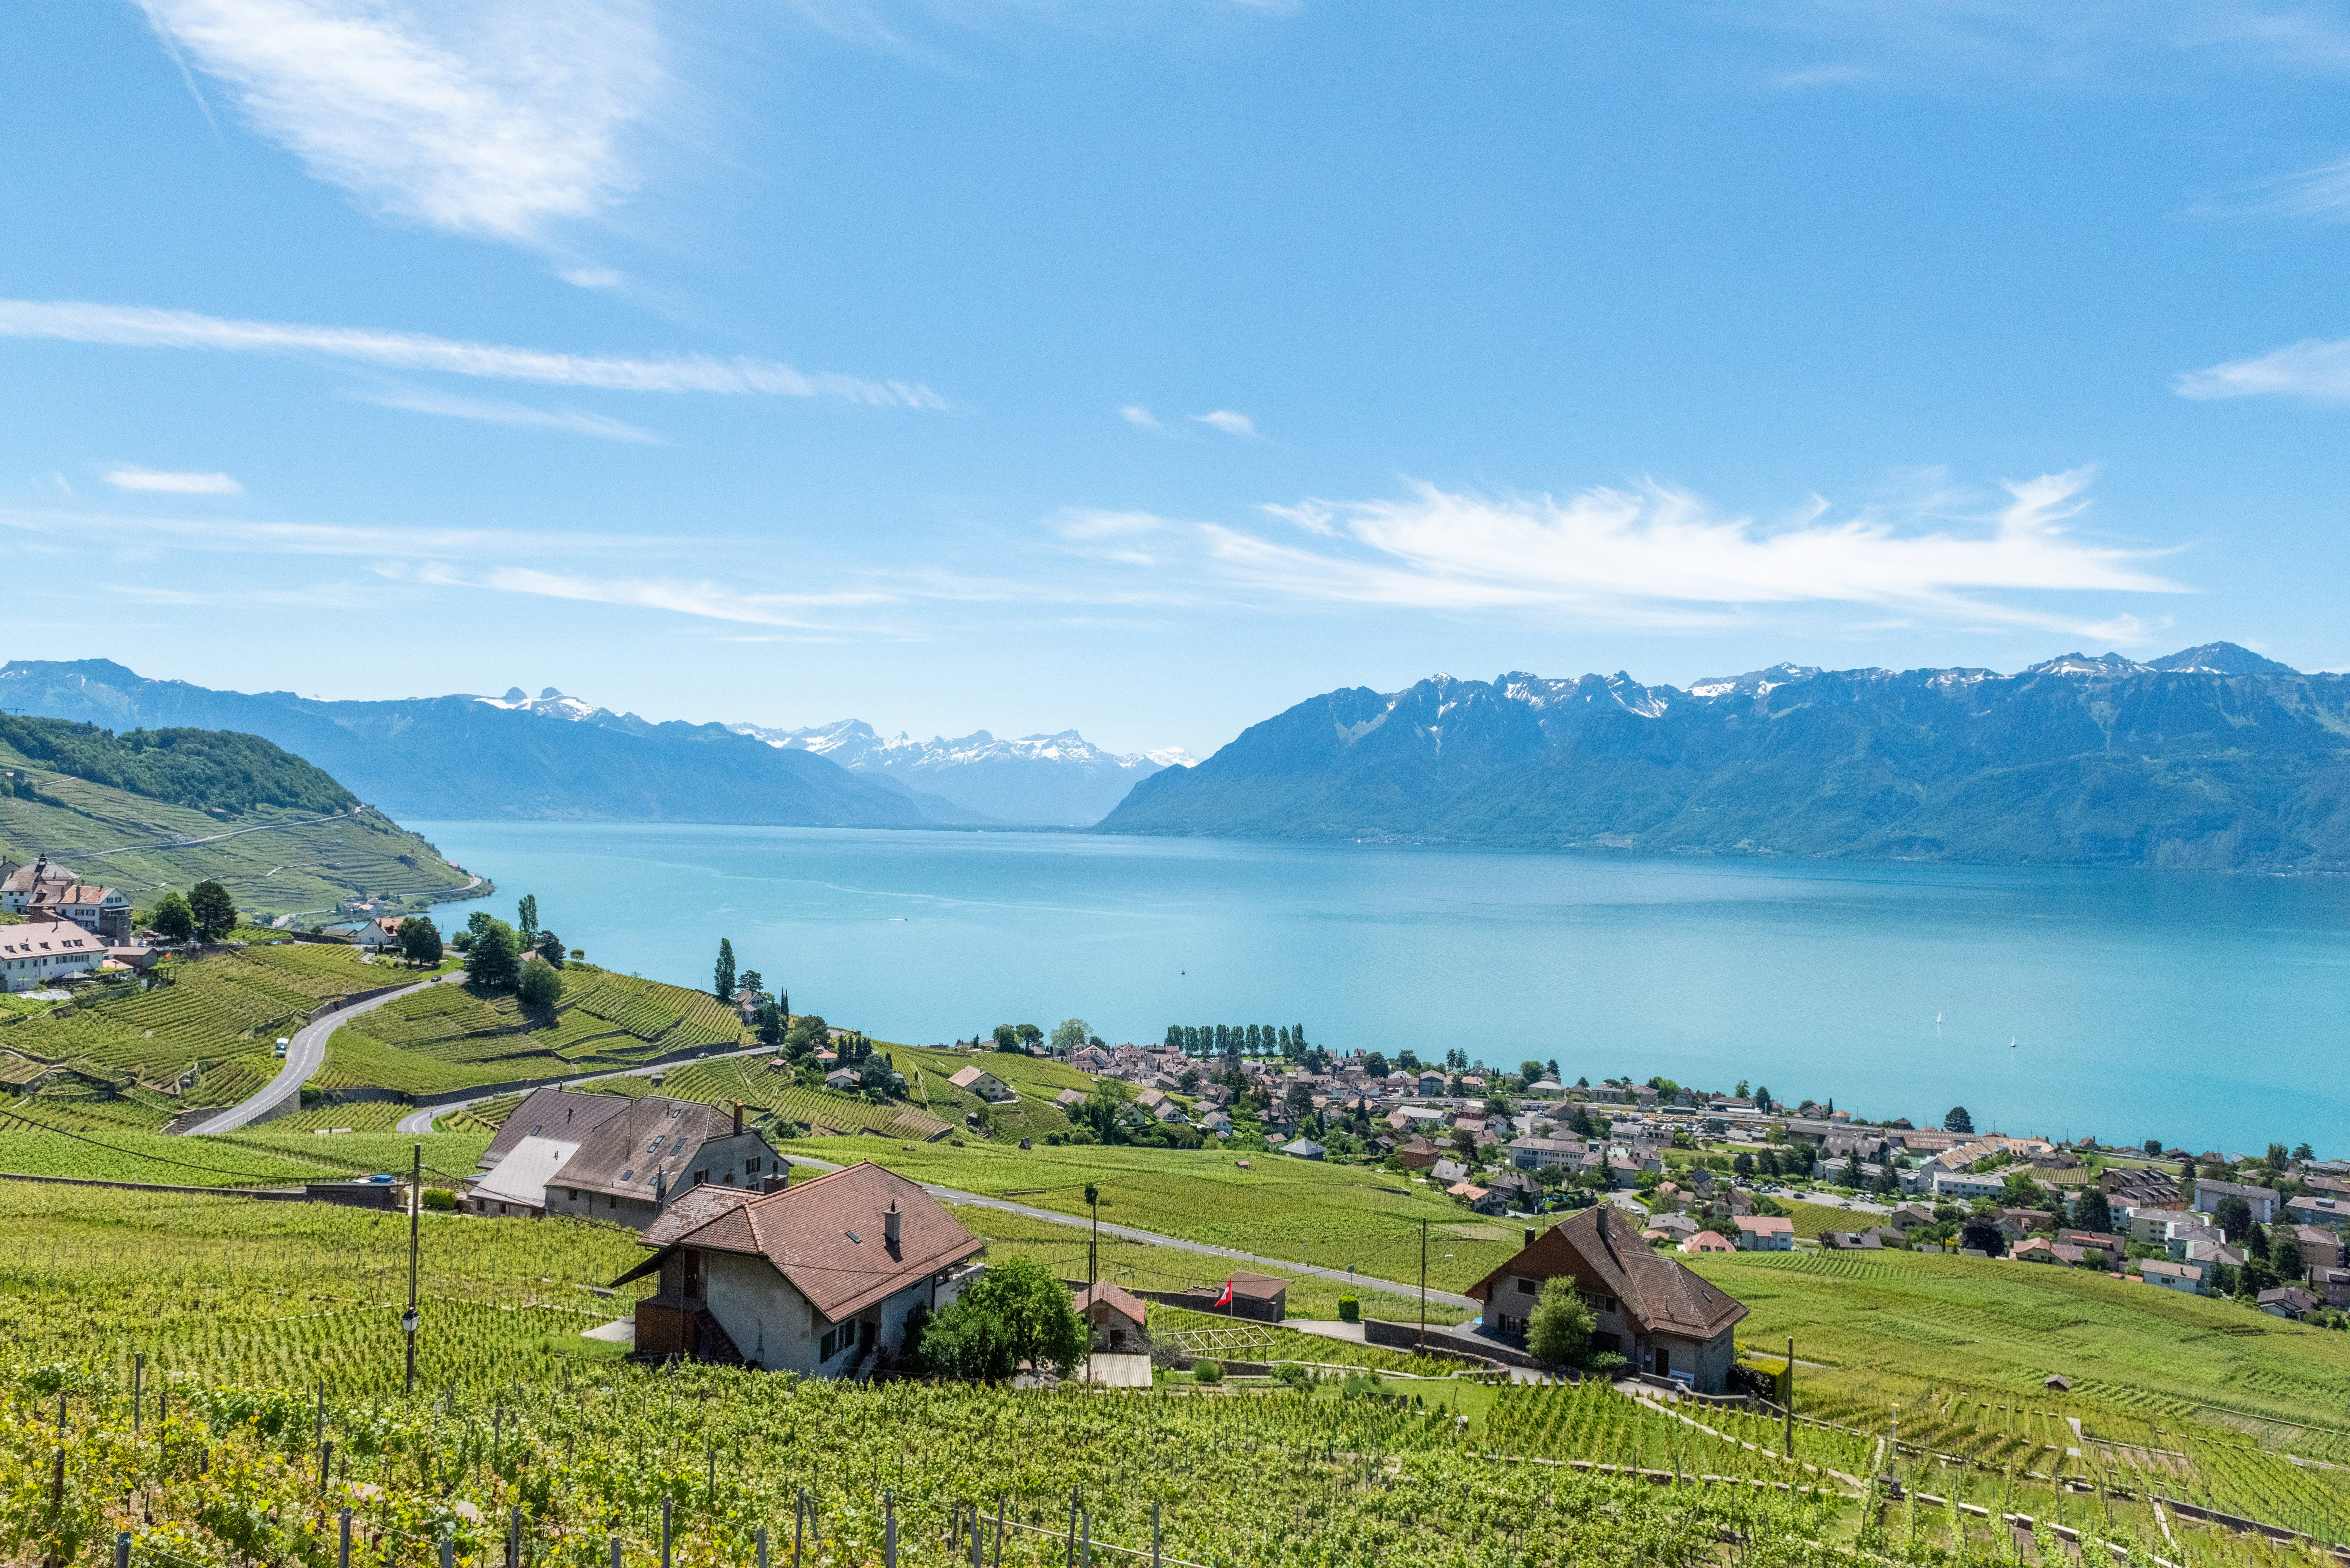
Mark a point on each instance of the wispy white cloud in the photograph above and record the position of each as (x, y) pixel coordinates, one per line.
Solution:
(590, 277)
(425, 401)
(1137, 415)
(144, 327)
(128, 476)
(491, 118)
(230, 535)
(1658, 556)
(2314, 367)
(706, 600)
(1228, 422)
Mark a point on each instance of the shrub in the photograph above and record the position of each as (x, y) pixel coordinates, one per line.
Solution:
(1208, 1371)
(1294, 1376)
(541, 985)
(439, 1198)
(1606, 1364)
(1350, 1309)
(1360, 1386)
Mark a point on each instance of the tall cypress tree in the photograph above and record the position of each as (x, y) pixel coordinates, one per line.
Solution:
(722, 980)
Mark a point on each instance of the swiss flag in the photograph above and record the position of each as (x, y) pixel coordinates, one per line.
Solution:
(1226, 1299)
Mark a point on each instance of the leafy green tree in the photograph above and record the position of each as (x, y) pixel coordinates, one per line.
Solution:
(1529, 1071)
(1983, 1235)
(751, 980)
(1030, 1036)
(494, 958)
(550, 947)
(1070, 1034)
(2284, 1252)
(1763, 1101)
(1297, 1036)
(2091, 1212)
(540, 984)
(1744, 1164)
(2234, 1217)
(1958, 1121)
(172, 920)
(1558, 1333)
(1007, 1040)
(526, 917)
(721, 978)
(1016, 1311)
(215, 910)
(1852, 1172)
(1174, 1037)
(2302, 1151)
(420, 939)
(2153, 1146)
(769, 1022)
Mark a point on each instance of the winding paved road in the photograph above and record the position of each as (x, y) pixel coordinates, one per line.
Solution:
(305, 1053)
(420, 1121)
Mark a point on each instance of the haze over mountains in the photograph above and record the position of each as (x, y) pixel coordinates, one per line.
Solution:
(1062, 779)
(556, 756)
(2213, 757)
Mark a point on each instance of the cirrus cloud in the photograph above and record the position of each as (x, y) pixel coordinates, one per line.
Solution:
(1658, 556)
(2314, 367)
(141, 327)
(129, 476)
(488, 118)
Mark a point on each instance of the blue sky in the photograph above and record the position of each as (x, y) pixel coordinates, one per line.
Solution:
(1145, 368)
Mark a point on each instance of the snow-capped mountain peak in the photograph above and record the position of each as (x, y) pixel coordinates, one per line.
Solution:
(1059, 778)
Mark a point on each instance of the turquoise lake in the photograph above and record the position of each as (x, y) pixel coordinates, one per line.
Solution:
(2204, 1010)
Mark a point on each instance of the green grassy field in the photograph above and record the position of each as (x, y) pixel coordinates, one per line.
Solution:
(293, 864)
(1143, 1266)
(454, 1037)
(1327, 1215)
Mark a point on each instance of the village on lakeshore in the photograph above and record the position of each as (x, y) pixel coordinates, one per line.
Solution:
(726, 1185)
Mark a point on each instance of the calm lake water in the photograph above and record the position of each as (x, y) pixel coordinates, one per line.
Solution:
(2204, 1010)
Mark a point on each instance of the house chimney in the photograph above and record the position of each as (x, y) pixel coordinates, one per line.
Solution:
(738, 1118)
(890, 1220)
(1530, 1235)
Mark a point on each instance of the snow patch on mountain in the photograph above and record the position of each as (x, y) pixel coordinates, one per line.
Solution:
(1060, 780)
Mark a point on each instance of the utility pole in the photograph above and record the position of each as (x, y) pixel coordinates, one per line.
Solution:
(415, 1220)
(1093, 1248)
(1423, 1282)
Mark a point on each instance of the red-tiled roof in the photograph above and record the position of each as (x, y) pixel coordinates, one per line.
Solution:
(827, 1237)
(1104, 1294)
(1599, 1247)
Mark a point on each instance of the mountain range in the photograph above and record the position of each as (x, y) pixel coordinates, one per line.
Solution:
(559, 756)
(2213, 757)
(1062, 780)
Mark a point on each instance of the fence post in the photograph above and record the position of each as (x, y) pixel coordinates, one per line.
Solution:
(613, 1541)
(1070, 1558)
(1154, 1533)
(665, 1511)
(514, 1538)
(978, 1538)
(712, 1500)
(763, 1546)
(888, 1530)
(448, 1552)
(343, 1541)
(799, 1514)
(122, 1548)
(326, 1462)
(138, 1389)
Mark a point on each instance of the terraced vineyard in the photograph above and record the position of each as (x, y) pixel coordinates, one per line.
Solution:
(451, 1037)
(295, 863)
(218, 1017)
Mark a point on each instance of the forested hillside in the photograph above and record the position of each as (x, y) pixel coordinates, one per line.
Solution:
(2213, 757)
(205, 770)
